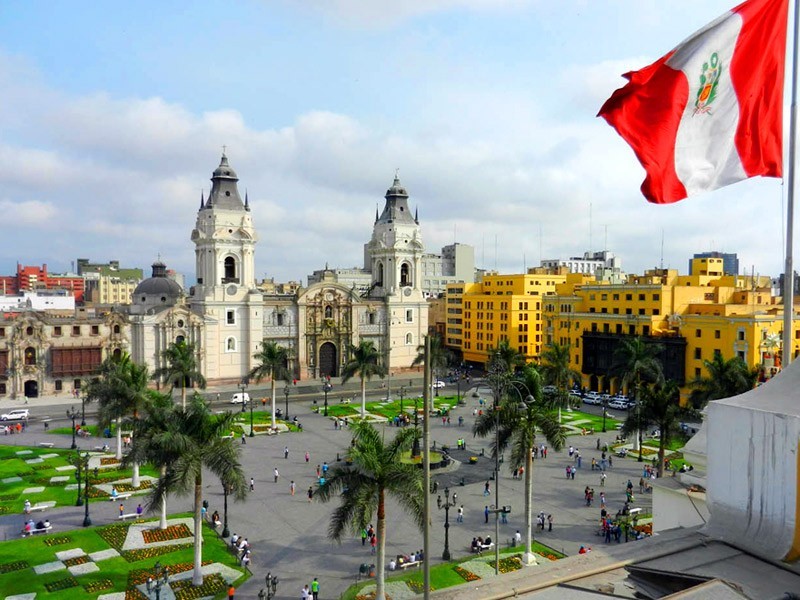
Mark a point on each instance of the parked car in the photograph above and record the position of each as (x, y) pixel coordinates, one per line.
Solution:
(549, 389)
(592, 398)
(19, 414)
(618, 404)
(438, 384)
(239, 398)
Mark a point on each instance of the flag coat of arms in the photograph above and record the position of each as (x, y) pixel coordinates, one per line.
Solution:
(709, 113)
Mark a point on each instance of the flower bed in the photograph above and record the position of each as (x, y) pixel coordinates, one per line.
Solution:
(173, 532)
(78, 560)
(98, 586)
(371, 596)
(646, 529)
(508, 564)
(140, 576)
(213, 584)
(114, 535)
(57, 540)
(109, 461)
(466, 575)
(61, 584)
(14, 566)
(145, 553)
(135, 594)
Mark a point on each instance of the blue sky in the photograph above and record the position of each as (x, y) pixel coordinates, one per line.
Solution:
(114, 117)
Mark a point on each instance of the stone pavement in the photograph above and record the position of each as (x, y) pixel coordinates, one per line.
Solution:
(288, 534)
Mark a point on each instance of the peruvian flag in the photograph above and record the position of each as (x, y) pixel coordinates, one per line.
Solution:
(709, 113)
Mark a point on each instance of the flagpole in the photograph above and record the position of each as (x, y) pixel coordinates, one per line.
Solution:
(788, 273)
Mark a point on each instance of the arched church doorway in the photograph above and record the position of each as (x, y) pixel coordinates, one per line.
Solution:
(31, 389)
(327, 360)
(594, 383)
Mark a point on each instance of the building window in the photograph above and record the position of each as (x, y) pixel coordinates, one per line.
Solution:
(717, 353)
(230, 269)
(631, 329)
(29, 330)
(629, 297)
(328, 312)
(646, 330)
(409, 339)
(76, 384)
(230, 317)
(116, 328)
(698, 372)
(95, 330)
(2, 332)
(57, 331)
(740, 335)
(2, 388)
(371, 318)
(698, 333)
(409, 316)
(716, 334)
(379, 279)
(405, 275)
(656, 297)
(76, 330)
(30, 356)
(698, 354)
(230, 345)
(59, 385)
(279, 319)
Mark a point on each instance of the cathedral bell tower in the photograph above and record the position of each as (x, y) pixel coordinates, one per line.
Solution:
(225, 239)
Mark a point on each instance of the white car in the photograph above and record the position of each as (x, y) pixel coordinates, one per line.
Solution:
(438, 384)
(618, 404)
(239, 398)
(19, 414)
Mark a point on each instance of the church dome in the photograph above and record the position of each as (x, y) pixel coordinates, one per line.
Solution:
(159, 284)
(224, 170)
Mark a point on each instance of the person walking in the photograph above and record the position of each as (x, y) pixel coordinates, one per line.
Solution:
(549, 522)
(310, 493)
(244, 439)
(486, 488)
(486, 514)
(286, 452)
(603, 479)
(308, 456)
(315, 589)
(291, 487)
(460, 515)
(364, 536)
(373, 542)
(252, 484)
(572, 472)
(121, 510)
(275, 474)
(305, 594)
(139, 511)
(231, 589)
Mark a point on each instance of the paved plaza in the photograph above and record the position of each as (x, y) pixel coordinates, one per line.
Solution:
(288, 534)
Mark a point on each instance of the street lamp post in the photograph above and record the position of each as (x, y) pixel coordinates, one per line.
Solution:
(268, 593)
(83, 410)
(87, 522)
(72, 414)
(78, 462)
(225, 531)
(605, 404)
(415, 448)
(159, 579)
(243, 386)
(286, 396)
(326, 387)
(402, 396)
(446, 505)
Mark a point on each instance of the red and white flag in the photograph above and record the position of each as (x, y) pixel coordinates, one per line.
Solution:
(710, 112)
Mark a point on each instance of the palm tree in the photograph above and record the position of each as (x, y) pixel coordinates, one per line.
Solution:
(556, 370)
(196, 436)
(516, 424)
(439, 355)
(376, 471)
(118, 391)
(726, 378)
(154, 441)
(133, 381)
(272, 360)
(364, 362)
(660, 408)
(506, 356)
(181, 369)
(636, 364)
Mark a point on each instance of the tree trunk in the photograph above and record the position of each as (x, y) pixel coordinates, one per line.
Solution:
(135, 477)
(197, 574)
(162, 524)
(363, 398)
(381, 550)
(183, 396)
(528, 557)
(662, 442)
(274, 424)
(119, 439)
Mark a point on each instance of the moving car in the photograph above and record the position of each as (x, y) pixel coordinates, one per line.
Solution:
(239, 398)
(438, 384)
(18, 414)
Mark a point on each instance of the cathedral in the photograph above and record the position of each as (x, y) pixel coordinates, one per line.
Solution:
(227, 317)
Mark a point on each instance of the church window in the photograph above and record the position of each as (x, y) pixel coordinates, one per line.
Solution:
(29, 330)
(180, 324)
(409, 339)
(180, 339)
(116, 328)
(409, 316)
(405, 274)
(230, 270)
(379, 280)
(30, 356)
(371, 318)
(328, 312)
(163, 298)
(230, 317)
(279, 319)
(230, 344)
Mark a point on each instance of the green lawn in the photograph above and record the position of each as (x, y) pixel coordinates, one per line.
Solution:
(590, 421)
(40, 475)
(262, 421)
(387, 409)
(116, 574)
(444, 575)
(674, 444)
(93, 429)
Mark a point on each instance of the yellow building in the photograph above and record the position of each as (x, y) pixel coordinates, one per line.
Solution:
(505, 307)
(110, 289)
(693, 317)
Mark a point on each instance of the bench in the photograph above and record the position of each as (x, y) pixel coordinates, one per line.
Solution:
(634, 511)
(36, 507)
(227, 437)
(46, 444)
(124, 496)
(406, 565)
(102, 449)
(132, 515)
(482, 547)
(39, 530)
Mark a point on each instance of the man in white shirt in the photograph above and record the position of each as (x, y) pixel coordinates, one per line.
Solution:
(518, 537)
